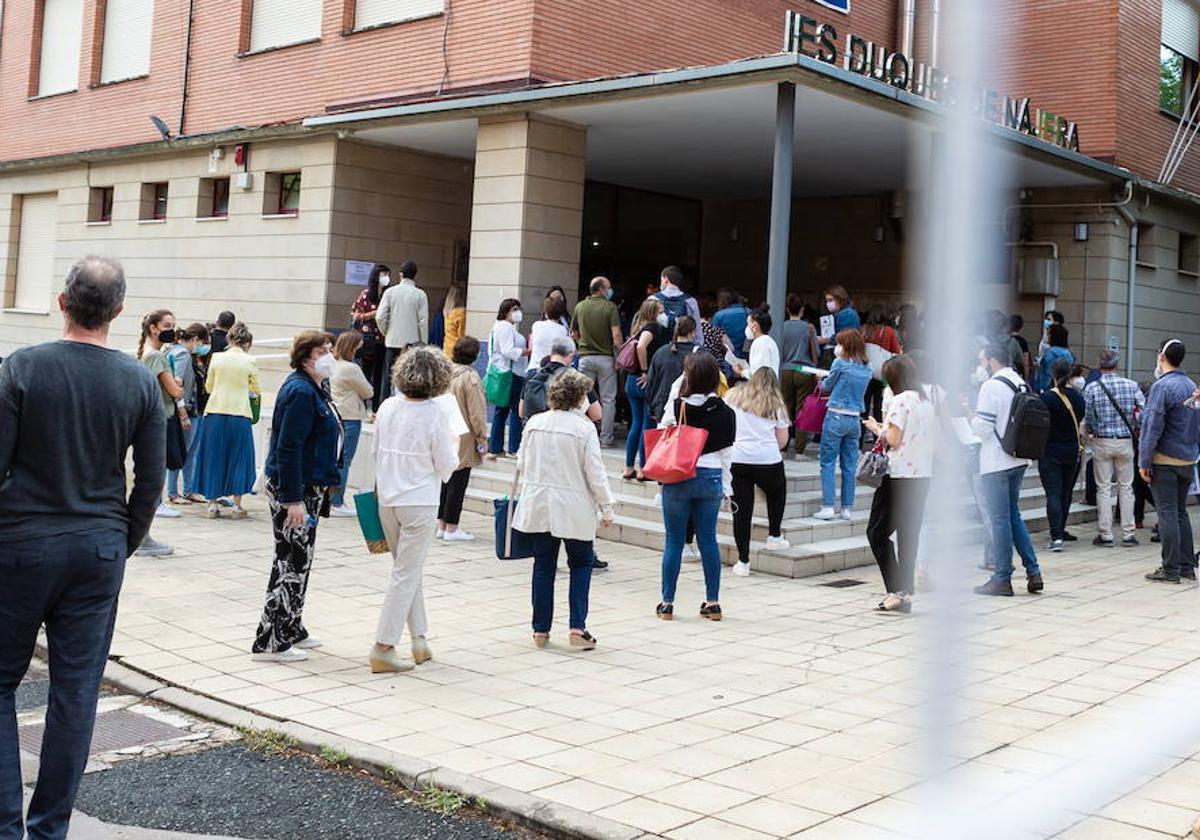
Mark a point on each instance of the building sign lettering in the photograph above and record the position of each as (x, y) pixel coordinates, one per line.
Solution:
(808, 36)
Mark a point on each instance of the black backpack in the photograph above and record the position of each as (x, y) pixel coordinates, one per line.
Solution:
(1028, 427)
(534, 392)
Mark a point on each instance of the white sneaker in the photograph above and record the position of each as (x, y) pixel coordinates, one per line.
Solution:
(285, 656)
(153, 548)
(845, 514)
(458, 536)
(437, 535)
(778, 543)
(825, 513)
(741, 569)
(167, 512)
(690, 552)
(308, 643)
(342, 512)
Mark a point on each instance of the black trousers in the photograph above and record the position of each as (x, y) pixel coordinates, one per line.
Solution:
(1141, 494)
(898, 507)
(453, 492)
(373, 368)
(773, 481)
(873, 400)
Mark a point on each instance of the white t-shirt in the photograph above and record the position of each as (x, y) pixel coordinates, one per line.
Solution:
(916, 419)
(415, 451)
(991, 418)
(764, 352)
(541, 336)
(755, 442)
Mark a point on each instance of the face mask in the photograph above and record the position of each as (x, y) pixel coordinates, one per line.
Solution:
(203, 350)
(167, 336)
(1077, 383)
(838, 351)
(608, 294)
(831, 305)
(1046, 324)
(516, 316)
(324, 366)
(1157, 372)
(749, 332)
(663, 320)
(385, 279)
(980, 376)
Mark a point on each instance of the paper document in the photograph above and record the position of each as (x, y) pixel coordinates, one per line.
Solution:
(812, 371)
(827, 326)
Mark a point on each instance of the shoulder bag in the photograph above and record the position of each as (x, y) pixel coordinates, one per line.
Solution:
(510, 544)
(873, 466)
(366, 505)
(497, 384)
(672, 453)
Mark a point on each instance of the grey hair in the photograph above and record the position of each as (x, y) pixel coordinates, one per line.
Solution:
(422, 373)
(562, 346)
(1109, 360)
(95, 291)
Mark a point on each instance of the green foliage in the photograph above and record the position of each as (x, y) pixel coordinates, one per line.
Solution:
(268, 741)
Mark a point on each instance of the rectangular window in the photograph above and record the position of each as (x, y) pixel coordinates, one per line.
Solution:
(35, 252)
(154, 202)
(100, 204)
(127, 32)
(214, 198)
(1178, 55)
(278, 23)
(61, 43)
(368, 13)
(1189, 254)
(281, 194)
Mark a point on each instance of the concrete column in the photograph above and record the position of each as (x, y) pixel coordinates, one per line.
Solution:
(781, 203)
(527, 215)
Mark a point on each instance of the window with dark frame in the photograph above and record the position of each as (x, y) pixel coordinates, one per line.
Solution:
(1176, 76)
(154, 202)
(214, 199)
(289, 194)
(1189, 254)
(100, 204)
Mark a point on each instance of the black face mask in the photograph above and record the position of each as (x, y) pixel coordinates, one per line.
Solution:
(167, 336)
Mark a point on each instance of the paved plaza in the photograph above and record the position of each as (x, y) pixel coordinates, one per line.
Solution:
(799, 715)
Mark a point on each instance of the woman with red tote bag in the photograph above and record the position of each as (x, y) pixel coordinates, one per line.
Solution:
(698, 498)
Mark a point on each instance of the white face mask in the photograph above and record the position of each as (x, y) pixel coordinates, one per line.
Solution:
(749, 332)
(980, 375)
(324, 366)
(838, 351)
(516, 316)
(1078, 383)
(831, 305)
(663, 320)
(385, 280)
(1158, 371)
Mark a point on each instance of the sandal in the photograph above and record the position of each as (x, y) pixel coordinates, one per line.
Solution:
(179, 500)
(195, 497)
(895, 603)
(710, 611)
(629, 475)
(541, 639)
(665, 611)
(583, 641)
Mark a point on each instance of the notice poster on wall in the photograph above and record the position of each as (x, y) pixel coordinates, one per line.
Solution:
(358, 272)
(826, 326)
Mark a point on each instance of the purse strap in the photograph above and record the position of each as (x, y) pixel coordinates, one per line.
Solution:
(1074, 419)
(508, 516)
(1117, 406)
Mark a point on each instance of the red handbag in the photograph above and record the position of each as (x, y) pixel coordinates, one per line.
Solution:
(811, 415)
(672, 453)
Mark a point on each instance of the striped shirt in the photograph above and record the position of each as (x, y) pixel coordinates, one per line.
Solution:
(1100, 416)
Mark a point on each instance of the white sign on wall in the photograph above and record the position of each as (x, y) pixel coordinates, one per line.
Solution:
(358, 272)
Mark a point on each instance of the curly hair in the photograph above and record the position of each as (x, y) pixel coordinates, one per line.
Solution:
(568, 390)
(422, 373)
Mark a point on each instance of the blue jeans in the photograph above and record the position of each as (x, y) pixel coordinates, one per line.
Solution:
(509, 413)
(639, 421)
(545, 567)
(840, 434)
(699, 499)
(189, 434)
(1002, 494)
(351, 429)
(70, 582)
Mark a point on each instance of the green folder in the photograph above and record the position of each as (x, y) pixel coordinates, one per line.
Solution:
(368, 519)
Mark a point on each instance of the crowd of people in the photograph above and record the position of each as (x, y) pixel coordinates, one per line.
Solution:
(186, 404)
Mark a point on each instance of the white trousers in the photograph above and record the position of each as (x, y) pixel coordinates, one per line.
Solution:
(409, 532)
(1114, 458)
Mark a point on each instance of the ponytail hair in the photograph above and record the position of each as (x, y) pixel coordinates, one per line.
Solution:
(149, 321)
(685, 325)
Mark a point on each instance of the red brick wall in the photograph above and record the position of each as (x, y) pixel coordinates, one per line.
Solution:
(489, 39)
(580, 39)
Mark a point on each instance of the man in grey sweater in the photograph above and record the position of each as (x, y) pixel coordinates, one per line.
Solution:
(69, 412)
(403, 318)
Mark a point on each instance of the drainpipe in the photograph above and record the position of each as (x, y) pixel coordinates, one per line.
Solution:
(187, 67)
(935, 29)
(908, 26)
(1132, 221)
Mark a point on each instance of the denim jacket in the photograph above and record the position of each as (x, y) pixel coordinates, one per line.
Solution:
(846, 385)
(305, 440)
(1168, 426)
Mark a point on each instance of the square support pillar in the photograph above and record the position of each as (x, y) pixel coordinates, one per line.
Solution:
(527, 215)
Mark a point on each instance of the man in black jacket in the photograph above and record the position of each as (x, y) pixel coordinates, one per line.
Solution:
(69, 412)
(667, 366)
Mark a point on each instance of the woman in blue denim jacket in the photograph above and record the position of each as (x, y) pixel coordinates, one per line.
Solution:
(1056, 338)
(846, 385)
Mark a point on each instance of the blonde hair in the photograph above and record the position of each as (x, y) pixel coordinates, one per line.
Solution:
(239, 336)
(759, 396)
(647, 314)
(455, 299)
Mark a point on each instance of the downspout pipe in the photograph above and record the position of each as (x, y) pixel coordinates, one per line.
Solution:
(935, 30)
(908, 27)
(1132, 221)
(187, 68)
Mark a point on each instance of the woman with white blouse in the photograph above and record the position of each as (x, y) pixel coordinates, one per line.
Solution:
(545, 331)
(416, 451)
(508, 351)
(564, 491)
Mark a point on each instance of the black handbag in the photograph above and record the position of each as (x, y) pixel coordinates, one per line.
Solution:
(177, 450)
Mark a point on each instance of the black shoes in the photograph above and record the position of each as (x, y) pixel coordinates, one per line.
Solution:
(1129, 542)
(997, 587)
(1069, 537)
(1188, 573)
(598, 564)
(1160, 575)
(665, 611)
(1033, 584)
(710, 611)
(1103, 543)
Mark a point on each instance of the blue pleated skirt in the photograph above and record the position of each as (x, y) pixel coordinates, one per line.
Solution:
(224, 456)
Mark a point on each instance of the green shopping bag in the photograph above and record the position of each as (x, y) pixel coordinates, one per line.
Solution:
(497, 386)
(367, 506)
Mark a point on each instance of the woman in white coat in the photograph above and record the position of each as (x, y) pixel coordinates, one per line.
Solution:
(564, 490)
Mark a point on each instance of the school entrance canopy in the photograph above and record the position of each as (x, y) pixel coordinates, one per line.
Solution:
(757, 130)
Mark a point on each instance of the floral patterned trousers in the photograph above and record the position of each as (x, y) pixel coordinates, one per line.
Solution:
(282, 623)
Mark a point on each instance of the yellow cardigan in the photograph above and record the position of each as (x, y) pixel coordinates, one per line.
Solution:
(456, 328)
(232, 377)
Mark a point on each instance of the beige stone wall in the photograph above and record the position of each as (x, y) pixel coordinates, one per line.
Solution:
(270, 271)
(527, 216)
(392, 205)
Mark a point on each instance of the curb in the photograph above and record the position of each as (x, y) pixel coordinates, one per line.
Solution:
(560, 821)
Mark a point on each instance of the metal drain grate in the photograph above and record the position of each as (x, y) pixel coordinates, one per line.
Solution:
(844, 583)
(115, 730)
